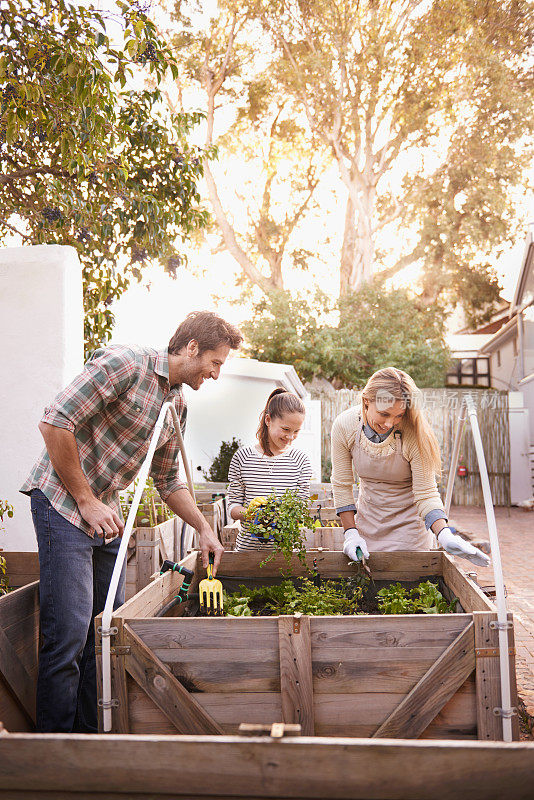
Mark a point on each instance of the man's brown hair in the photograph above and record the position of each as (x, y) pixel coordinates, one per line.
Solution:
(208, 330)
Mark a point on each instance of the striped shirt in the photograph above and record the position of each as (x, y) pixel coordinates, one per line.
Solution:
(254, 474)
(111, 408)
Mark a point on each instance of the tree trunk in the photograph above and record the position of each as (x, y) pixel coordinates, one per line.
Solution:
(347, 250)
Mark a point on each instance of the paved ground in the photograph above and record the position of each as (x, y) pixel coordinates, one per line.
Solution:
(516, 536)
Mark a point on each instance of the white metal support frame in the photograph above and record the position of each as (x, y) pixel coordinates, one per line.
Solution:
(468, 410)
(106, 702)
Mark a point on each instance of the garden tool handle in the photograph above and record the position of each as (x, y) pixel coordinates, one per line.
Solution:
(359, 554)
(209, 568)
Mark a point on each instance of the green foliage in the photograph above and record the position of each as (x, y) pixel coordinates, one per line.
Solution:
(377, 328)
(151, 510)
(6, 509)
(330, 598)
(334, 598)
(221, 463)
(284, 518)
(85, 159)
(424, 599)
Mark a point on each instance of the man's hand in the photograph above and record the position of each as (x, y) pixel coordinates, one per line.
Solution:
(209, 543)
(101, 517)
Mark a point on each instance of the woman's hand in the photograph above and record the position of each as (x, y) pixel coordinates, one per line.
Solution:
(456, 546)
(353, 542)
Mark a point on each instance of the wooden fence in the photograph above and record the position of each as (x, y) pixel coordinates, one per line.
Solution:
(442, 407)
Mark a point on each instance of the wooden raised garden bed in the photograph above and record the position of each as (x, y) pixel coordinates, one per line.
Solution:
(19, 642)
(412, 676)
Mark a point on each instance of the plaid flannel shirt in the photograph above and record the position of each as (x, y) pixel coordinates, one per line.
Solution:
(111, 408)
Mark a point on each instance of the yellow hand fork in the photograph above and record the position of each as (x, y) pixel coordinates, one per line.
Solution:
(211, 593)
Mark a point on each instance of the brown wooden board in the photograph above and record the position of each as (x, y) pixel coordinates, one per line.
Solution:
(77, 766)
(19, 643)
(21, 567)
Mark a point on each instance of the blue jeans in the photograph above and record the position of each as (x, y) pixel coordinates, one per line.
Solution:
(75, 575)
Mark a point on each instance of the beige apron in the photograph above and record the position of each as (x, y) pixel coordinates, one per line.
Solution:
(387, 516)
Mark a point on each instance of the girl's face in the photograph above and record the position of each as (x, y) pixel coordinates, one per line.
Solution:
(383, 418)
(283, 430)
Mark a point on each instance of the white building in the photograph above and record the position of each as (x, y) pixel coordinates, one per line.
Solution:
(41, 329)
(231, 407)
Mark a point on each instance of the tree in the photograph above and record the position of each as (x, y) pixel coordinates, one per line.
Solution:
(273, 171)
(425, 107)
(85, 160)
(377, 328)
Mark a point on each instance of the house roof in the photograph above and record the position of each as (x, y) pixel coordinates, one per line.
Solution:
(498, 339)
(283, 374)
(466, 345)
(527, 265)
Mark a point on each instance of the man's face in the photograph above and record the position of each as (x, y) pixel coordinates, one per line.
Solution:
(207, 365)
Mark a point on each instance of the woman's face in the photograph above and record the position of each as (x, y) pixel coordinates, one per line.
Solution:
(283, 430)
(383, 418)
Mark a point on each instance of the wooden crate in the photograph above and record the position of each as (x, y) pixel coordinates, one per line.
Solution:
(416, 676)
(19, 642)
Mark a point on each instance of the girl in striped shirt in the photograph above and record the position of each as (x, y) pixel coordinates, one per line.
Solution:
(272, 465)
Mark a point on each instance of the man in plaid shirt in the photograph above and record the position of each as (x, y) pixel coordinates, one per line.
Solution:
(97, 433)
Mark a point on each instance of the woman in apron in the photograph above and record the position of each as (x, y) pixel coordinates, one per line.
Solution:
(388, 444)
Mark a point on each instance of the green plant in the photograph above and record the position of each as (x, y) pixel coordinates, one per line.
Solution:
(151, 511)
(423, 599)
(221, 463)
(283, 518)
(329, 598)
(5, 509)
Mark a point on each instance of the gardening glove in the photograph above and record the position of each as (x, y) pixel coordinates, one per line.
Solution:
(353, 540)
(456, 546)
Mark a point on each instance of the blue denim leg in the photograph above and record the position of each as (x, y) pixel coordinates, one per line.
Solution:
(66, 558)
(86, 720)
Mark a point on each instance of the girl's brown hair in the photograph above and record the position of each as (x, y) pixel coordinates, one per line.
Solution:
(398, 385)
(278, 403)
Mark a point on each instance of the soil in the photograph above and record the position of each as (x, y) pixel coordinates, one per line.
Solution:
(367, 605)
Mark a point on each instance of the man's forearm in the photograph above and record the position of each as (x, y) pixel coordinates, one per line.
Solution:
(63, 451)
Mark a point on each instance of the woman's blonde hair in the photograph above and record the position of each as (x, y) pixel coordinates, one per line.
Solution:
(390, 384)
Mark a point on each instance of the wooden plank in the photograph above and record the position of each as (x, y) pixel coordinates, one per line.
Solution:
(434, 689)
(296, 680)
(157, 594)
(293, 767)
(345, 715)
(16, 676)
(160, 685)
(21, 567)
(488, 679)
(399, 565)
(467, 591)
(513, 682)
(119, 691)
(12, 715)
(395, 633)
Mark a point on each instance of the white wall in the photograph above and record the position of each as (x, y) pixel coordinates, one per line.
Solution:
(229, 407)
(520, 480)
(41, 331)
